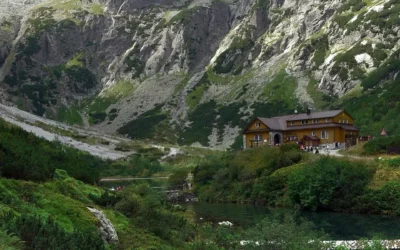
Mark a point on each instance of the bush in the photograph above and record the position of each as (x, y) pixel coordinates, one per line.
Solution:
(150, 211)
(384, 200)
(382, 145)
(41, 233)
(178, 177)
(329, 184)
(106, 199)
(268, 190)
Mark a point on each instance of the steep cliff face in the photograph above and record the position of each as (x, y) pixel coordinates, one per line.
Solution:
(195, 71)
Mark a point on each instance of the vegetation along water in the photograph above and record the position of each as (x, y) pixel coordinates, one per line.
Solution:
(46, 187)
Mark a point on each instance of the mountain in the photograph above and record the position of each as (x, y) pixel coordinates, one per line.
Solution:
(195, 71)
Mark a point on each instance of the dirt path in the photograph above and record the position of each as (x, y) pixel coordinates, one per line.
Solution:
(336, 153)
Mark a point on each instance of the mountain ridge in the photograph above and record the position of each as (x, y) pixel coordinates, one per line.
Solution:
(196, 71)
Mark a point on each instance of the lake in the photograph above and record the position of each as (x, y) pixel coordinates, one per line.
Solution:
(339, 226)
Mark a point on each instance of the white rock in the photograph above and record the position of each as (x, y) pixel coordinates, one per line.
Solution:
(225, 223)
(107, 230)
(364, 58)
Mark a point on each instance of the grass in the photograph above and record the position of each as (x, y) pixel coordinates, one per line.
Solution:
(70, 115)
(320, 99)
(75, 61)
(357, 150)
(286, 171)
(194, 97)
(282, 88)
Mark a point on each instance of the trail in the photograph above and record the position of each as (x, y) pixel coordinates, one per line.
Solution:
(335, 153)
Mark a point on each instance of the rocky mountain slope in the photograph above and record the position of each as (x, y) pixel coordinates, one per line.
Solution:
(195, 71)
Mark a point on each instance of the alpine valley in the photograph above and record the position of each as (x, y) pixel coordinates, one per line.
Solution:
(194, 72)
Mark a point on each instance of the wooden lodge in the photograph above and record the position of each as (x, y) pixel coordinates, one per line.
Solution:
(310, 129)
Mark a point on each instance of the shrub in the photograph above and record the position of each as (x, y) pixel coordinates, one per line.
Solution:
(381, 145)
(268, 190)
(328, 184)
(178, 177)
(41, 233)
(384, 200)
(106, 199)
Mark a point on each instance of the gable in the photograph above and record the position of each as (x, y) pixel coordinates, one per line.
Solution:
(343, 117)
(256, 124)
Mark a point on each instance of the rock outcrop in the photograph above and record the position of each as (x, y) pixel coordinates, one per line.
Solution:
(107, 230)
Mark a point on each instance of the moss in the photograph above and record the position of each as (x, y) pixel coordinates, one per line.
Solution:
(97, 9)
(76, 61)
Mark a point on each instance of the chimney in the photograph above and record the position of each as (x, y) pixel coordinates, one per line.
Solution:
(308, 111)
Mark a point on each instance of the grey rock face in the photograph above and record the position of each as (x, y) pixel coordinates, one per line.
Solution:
(181, 54)
(106, 228)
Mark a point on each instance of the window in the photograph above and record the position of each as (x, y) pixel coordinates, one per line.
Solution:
(324, 135)
(258, 124)
(258, 138)
(347, 121)
(291, 123)
(304, 122)
(316, 121)
(292, 138)
(326, 120)
(340, 121)
(313, 133)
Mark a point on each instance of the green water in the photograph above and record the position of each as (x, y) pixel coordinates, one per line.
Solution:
(339, 226)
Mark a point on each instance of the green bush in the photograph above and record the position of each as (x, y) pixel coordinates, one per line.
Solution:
(42, 233)
(384, 200)
(268, 190)
(245, 175)
(381, 145)
(178, 177)
(329, 184)
(150, 211)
